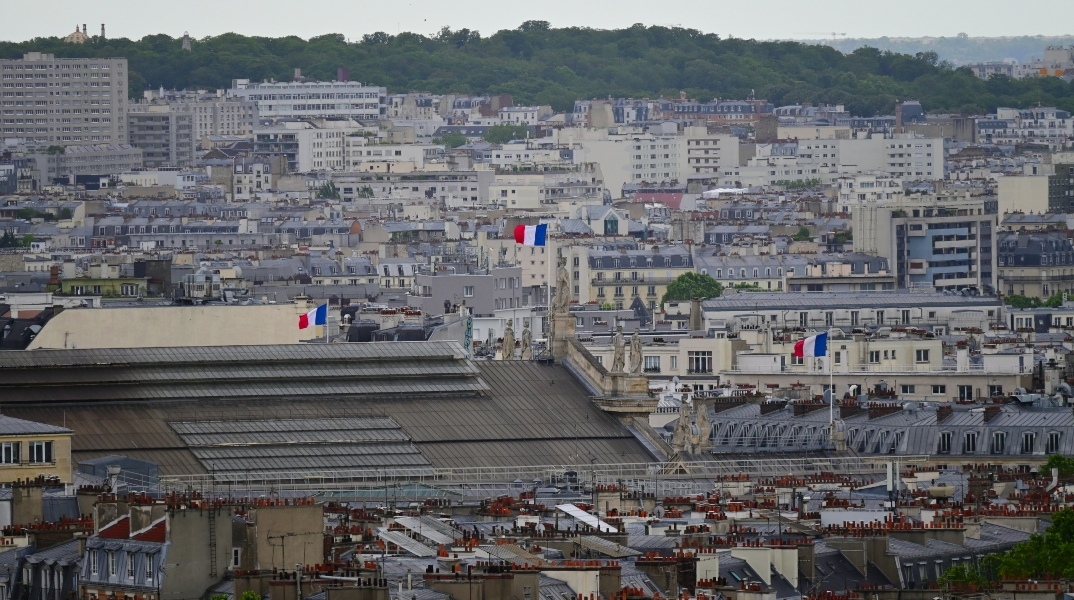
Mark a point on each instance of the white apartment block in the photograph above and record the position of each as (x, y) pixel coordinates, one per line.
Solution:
(311, 145)
(298, 100)
(524, 115)
(46, 100)
(1042, 125)
(214, 113)
(866, 188)
(364, 154)
(901, 156)
(707, 152)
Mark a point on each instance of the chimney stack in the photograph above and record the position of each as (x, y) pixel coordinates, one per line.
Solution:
(343, 74)
(298, 73)
(102, 31)
(84, 29)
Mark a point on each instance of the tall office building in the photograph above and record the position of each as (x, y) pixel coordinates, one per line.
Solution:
(46, 101)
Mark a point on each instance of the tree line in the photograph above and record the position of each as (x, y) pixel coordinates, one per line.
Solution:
(539, 64)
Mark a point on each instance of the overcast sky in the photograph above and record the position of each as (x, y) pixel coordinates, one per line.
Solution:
(761, 19)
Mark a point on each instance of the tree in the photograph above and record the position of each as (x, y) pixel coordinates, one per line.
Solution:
(55, 150)
(803, 234)
(328, 190)
(453, 140)
(1065, 464)
(501, 134)
(1020, 301)
(250, 595)
(65, 214)
(692, 285)
(961, 577)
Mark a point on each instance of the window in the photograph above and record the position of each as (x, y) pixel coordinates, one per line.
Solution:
(944, 447)
(236, 558)
(93, 558)
(130, 566)
(908, 389)
(1029, 442)
(999, 442)
(969, 442)
(111, 563)
(652, 364)
(9, 453)
(874, 356)
(699, 361)
(939, 389)
(995, 390)
(468, 291)
(674, 363)
(921, 356)
(1052, 445)
(149, 567)
(41, 452)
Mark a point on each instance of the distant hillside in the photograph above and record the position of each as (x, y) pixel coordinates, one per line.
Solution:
(542, 65)
(961, 49)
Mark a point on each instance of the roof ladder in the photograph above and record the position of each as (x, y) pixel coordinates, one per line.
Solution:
(212, 542)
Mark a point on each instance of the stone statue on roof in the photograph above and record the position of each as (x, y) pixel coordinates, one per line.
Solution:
(635, 353)
(508, 341)
(562, 302)
(527, 344)
(619, 352)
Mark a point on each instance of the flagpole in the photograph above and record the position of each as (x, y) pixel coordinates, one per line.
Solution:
(831, 385)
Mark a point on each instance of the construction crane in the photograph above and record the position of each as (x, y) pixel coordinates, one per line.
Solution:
(831, 33)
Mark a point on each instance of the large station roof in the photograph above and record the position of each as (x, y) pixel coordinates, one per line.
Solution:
(323, 406)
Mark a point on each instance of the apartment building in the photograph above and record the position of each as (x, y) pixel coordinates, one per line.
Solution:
(1036, 264)
(307, 145)
(860, 188)
(47, 101)
(98, 159)
(214, 113)
(29, 450)
(619, 275)
(705, 153)
(312, 99)
(1047, 126)
(902, 155)
(164, 133)
(938, 241)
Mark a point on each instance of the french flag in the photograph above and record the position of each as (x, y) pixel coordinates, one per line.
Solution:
(816, 345)
(531, 235)
(317, 316)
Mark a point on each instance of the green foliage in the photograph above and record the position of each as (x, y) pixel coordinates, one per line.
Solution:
(33, 213)
(692, 285)
(365, 192)
(961, 577)
(541, 65)
(55, 150)
(10, 240)
(803, 234)
(327, 190)
(798, 184)
(250, 595)
(65, 213)
(1065, 464)
(452, 140)
(218, 597)
(607, 306)
(1020, 301)
(747, 287)
(1042, 556)
(501, 134)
